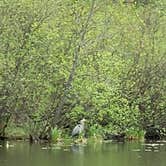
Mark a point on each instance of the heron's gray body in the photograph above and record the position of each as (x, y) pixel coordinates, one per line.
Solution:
(78, 129)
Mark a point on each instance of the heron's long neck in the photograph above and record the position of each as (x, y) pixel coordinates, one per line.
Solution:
(82, 123)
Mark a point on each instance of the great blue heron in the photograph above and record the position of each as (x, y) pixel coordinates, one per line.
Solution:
(78, 129)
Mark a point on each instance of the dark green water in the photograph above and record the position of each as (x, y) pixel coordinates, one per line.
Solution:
(106, 154)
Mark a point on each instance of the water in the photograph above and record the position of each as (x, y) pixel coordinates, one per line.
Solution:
(106, 154)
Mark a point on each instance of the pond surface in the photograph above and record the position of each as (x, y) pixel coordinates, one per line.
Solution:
(105, 154)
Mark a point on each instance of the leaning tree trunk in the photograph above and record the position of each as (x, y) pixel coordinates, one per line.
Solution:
(58, 110)
(4, 119)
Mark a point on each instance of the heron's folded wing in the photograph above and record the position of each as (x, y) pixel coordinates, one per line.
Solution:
(76, 130)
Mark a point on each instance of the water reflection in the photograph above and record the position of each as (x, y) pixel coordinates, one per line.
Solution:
(115, 154)
(77, 149)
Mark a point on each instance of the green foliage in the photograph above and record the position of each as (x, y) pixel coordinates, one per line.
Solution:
(55, 134)
(64, 60)
(95, 131)
(135, 133)
(76, 113)
(16, 132)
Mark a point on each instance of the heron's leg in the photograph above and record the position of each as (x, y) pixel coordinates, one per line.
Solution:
(82, 138)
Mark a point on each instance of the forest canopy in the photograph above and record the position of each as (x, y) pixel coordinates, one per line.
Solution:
(64, 60)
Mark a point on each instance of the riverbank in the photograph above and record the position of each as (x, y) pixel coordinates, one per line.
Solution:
(58, 137)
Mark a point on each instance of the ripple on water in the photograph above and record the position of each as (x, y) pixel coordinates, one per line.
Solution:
(148, 150)
(66, 150)
(136, 150)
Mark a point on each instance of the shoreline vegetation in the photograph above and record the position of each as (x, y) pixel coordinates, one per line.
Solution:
(62, 61)
(59, 137)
